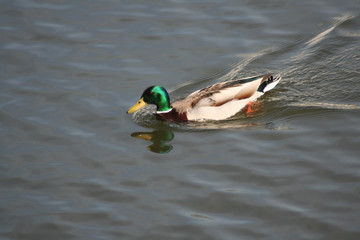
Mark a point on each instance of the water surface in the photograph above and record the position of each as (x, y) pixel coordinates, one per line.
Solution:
(73, 166)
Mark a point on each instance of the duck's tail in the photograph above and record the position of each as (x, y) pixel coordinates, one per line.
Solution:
(269, 83)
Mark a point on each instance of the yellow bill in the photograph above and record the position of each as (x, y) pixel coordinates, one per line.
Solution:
(137, 106)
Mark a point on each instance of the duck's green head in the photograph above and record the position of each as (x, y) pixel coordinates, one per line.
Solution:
(153, 95)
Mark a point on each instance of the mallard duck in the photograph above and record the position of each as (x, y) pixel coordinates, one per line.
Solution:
(216, 102)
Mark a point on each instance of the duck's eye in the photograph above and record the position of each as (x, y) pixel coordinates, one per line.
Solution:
(152, 93)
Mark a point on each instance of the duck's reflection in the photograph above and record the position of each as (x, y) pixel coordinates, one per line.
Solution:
(159, 138)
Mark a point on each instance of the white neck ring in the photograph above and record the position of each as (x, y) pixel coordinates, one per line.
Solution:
(158, 112)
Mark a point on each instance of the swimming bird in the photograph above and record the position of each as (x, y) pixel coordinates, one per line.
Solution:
(215, 102)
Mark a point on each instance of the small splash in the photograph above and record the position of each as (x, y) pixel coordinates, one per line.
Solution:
(318, 38)
(336, 106)
(201, 216)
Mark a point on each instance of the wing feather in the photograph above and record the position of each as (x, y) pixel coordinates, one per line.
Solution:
(221, 93)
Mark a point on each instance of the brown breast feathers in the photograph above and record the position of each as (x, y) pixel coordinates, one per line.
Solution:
(173, 116)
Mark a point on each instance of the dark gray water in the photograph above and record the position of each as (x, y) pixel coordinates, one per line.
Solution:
(73, 167)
